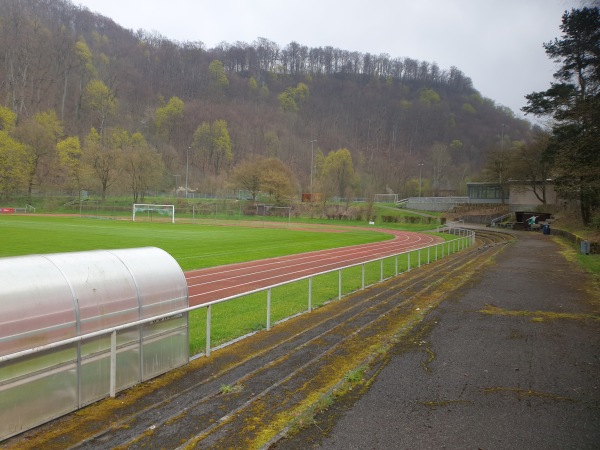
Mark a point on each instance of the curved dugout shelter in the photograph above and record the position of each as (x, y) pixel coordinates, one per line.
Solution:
(49, 298)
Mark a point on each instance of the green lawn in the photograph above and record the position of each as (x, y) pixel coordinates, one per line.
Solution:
(193, 246)
(197, 246)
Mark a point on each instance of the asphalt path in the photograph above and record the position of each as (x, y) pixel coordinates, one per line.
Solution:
(510, 361)
(206, 285)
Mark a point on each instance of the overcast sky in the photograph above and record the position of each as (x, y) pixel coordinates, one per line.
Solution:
(497, 43)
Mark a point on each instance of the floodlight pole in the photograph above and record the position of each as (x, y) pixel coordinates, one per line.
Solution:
(187, 164)
(420, 169)
(312, 153)
(501, 163)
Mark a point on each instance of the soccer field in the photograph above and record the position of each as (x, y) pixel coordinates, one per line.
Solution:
(196, 246)
(193, 246)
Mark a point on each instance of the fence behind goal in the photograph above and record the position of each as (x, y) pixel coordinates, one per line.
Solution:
(386, 198)
(149, 213)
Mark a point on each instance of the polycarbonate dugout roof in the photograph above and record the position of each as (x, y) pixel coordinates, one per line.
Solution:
(48, 298)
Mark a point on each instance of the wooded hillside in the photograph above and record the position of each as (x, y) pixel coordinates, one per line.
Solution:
(87, 104)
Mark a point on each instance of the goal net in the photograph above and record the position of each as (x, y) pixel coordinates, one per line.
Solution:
(278, 211)
(148, 212)
(386, 198)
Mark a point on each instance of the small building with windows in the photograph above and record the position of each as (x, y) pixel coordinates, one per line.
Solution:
(487, 193)
(517, 195)
(514, 196)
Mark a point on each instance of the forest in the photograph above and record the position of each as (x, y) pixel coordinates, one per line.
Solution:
(86, 105)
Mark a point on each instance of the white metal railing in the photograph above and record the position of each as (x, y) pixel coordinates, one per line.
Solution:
(465, 239)
(439, 199)
(495, 221)
(455, 225)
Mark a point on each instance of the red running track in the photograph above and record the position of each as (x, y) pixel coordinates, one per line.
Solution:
(206, 285)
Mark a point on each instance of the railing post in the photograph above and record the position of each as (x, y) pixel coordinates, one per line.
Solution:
(208, 320)
(269, 309)
(340, 284)
(436, 252)
(428, 259)
(381, 270)
(396, 268)
(310, 294)
(113, 363)
(419, 258)
(408, 268)
(363, 276)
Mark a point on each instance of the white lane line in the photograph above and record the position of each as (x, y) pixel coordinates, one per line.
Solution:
(263, 279)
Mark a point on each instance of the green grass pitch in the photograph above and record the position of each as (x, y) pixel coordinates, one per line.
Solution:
(196, 246)
(193, 246)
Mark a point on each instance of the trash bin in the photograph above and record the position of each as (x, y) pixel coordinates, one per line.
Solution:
(546, 228)
(585, 248)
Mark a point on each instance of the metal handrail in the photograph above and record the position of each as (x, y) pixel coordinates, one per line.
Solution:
(465, 234)
(492, 223)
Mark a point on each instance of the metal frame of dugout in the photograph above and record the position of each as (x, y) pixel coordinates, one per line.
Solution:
(45, 299)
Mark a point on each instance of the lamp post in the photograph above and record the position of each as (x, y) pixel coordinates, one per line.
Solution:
(501, 164)
(420, 178)
(187, 165)
(312, 152)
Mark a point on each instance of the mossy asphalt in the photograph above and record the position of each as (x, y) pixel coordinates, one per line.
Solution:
(510, 360)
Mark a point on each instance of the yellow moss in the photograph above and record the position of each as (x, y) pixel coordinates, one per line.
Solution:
(359, 350)
(566, 250)
(592, 285)
(537, 316)
(149, 432)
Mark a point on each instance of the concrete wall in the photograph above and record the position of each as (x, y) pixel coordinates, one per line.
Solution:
(594, 246)
(522, 198)
(440, 204)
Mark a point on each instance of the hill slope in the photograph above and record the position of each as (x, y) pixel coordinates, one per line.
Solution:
(392, 114)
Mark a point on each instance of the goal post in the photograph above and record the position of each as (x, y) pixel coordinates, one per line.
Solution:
(386, 198)
(274, 211)
(147, 210)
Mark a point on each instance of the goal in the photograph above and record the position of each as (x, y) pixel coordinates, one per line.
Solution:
(149, 212)
(386, 198)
